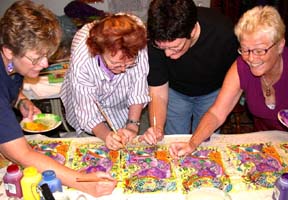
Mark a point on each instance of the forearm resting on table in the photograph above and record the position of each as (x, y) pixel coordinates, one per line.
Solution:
(208, 124)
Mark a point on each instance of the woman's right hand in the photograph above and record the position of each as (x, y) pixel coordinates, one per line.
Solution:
(152, 136)
(113, 141)
(100, 187)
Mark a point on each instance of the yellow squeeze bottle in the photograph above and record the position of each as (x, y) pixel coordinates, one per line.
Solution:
(29, 183)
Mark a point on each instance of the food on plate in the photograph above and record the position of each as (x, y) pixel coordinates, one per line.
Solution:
(35, 126)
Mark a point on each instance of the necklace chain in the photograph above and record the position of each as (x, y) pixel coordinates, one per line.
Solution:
(267, 87)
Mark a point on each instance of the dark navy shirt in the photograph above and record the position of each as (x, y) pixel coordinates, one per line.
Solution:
(9, 90)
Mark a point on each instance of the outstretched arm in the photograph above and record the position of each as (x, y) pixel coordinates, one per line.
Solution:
(216, 115)
(19, 151)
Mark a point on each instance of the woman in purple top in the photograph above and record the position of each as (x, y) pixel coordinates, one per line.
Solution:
(261, 72)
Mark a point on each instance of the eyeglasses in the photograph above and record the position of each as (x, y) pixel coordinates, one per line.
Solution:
(256, 52)
(115, 65)
(174, 49)
(36, 61)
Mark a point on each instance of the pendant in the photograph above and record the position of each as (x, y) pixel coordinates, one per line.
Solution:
(268, 92)
(271, 106)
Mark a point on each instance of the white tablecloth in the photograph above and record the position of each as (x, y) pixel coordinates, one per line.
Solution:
(217, 140)
(40, 88)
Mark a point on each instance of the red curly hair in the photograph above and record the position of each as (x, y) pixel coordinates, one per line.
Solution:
(117, 33)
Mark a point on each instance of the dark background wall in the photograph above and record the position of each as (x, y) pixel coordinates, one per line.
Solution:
(235, 8)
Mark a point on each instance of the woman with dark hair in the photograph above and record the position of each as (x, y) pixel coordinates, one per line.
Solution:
(190, 50)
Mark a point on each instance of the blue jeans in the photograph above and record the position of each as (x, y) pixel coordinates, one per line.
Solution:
(184, 112)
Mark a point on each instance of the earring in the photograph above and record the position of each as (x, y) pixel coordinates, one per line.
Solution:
(10, 67)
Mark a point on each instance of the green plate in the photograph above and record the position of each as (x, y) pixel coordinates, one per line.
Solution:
(41, 123)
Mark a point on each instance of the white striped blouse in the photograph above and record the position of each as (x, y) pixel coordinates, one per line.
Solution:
(85, 82)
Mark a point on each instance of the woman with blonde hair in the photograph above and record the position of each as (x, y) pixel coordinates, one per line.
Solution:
(260, 72)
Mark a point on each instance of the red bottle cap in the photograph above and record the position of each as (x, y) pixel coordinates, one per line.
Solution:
(13, 168)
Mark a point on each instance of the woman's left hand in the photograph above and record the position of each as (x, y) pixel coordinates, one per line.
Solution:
(127, 135)
(28, 109)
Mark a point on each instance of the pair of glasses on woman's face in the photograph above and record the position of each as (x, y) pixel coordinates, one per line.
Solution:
(256, 52)
(37, 61)
(115, 65)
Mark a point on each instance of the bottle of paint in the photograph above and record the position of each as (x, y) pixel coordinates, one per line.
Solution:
(12, 180)
(53, 182)
(29, 183)
(281, 188)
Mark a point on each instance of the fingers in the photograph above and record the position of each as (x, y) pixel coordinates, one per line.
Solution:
(113, 141)
(104, 175)
(173, 151)
(158, 133)
(126, 135)
(105, 188)
(160, 136)
(178, 149)
(36, 110)
(148, 138)
(30, 111)
(115, 146)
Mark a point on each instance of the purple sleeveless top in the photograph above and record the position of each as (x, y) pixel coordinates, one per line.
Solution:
(264, 118)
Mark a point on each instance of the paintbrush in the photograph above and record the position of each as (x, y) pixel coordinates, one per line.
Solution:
(108, 121)
(106, 118)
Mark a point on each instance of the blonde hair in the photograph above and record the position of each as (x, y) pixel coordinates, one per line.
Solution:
(261, 19)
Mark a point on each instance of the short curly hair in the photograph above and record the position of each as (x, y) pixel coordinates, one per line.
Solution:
(29, 26)
(117, 32)
(261, 18)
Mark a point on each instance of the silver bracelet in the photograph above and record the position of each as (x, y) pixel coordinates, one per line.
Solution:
(130, 121)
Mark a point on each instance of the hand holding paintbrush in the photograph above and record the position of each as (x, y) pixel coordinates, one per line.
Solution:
(109, 122)
(106, 118)
(153, 133)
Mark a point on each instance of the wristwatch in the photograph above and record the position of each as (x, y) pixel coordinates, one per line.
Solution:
(130, 121)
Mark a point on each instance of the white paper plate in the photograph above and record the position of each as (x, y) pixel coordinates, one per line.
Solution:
(283, 117)
(207, 193)
(46, 121)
